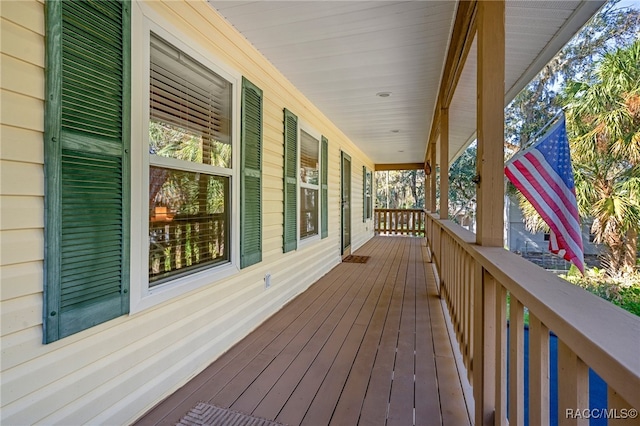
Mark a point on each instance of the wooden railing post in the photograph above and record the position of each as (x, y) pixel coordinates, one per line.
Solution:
(484, 355)
(538, 372)
(516, 361)
(501, 356)
(573, 387)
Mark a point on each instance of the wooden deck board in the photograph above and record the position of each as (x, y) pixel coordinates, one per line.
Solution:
(278, 396)
(179, 403)
(349, 405)
(317, 331)
(366, 344)
(323, 405)
(401, 400)
(286, 346)
(296, 407)
(427, 401)
(375, 405)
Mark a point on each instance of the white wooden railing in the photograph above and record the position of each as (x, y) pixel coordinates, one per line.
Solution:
(399, 222)
(479, 283)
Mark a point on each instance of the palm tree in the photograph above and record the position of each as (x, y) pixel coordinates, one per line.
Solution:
(603, 117)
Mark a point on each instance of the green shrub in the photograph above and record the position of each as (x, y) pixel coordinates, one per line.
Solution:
(623, 291)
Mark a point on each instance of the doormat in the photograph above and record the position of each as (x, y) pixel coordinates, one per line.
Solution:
(356, 259)
(210, 415)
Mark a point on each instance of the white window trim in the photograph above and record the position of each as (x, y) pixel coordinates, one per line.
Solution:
(306, 127)
(145, 20)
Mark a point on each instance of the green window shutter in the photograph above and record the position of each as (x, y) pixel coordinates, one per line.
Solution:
(364, 194)
(290, 238)
(86, 165)
(324, 190)
(251, 176)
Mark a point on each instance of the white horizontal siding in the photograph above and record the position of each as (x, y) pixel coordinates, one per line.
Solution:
(121, 368)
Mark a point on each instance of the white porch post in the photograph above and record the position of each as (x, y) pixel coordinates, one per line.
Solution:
(444, 163)
(433, 181)
(489, 231)
(490, 122)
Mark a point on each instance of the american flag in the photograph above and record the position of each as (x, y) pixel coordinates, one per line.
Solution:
(544, 175)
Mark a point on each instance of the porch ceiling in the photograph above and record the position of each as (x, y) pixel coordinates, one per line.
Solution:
(340, 54)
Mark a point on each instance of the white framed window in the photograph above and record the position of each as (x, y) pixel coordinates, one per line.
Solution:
(367, 194)
(190, 164)
(305, 179)
(184, 163)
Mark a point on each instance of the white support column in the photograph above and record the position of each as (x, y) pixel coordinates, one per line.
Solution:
(444, 163)
(427, 182)
(490, 37)
(433, 182)
(490, 122)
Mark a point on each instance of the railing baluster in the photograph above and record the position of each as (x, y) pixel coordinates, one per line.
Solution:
(393, 218)
(174, 245)
(484, 350)
(413, 216)
(538, 372)
(501, 356)
(573, 387)
(468, 278)
(516, 362)
(471, 286)
(386, 221)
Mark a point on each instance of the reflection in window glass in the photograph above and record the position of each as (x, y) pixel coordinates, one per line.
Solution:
(309, 159)
(190, 108)
(308, 212)
(309, 185)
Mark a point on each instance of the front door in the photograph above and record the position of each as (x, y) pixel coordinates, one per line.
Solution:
(345, 196)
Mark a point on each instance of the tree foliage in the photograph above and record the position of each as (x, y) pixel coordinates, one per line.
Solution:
(400, 189)
(604, 128)
(462, 188)
(537, 103)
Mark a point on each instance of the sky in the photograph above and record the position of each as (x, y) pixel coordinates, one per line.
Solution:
(627, 3)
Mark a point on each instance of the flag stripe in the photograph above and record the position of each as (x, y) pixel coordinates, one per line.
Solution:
(544, 175)
(554, 248)
(548, 199)
(549, 216)
(567, 196)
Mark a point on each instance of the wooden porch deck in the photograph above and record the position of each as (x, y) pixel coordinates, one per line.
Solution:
(367, 344)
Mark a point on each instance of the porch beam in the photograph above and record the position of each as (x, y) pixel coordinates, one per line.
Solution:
(464, 29)
(490, 122)
(399, 166)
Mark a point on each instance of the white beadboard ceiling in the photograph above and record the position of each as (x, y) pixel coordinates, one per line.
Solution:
(340, 54)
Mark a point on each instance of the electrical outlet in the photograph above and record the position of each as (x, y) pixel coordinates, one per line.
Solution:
(267, 280)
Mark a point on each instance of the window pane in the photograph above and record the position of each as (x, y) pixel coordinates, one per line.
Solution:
(190, 108)
(309, 159)
(308, 212)
(188, 222)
